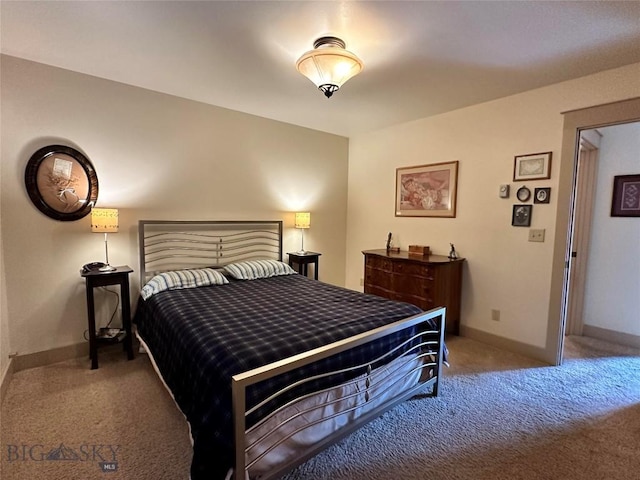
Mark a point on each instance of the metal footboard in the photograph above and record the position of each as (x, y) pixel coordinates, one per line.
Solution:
(423, 359)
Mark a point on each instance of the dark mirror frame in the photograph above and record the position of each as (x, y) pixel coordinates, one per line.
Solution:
(523, 194)
(37, 197)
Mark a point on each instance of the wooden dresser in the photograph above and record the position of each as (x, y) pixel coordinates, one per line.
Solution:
(425, 281)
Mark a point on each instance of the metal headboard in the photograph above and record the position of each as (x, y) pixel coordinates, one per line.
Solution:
(177, 245)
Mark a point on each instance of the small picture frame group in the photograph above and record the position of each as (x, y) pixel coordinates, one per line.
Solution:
(521, 215)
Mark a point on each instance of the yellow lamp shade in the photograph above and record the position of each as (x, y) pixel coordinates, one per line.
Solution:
(303, 220)
(104, 220)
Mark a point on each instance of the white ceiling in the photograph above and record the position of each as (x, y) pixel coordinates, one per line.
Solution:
(421, 58)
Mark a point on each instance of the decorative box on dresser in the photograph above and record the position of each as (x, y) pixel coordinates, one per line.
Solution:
(427, 281)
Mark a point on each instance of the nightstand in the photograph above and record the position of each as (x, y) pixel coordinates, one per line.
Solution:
(302, 260)
(119, 276)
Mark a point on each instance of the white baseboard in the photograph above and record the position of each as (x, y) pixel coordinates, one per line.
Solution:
(514, 346)
(39, 359)
(47, 357)
(612, 336)
(538, 353)
(5, 379)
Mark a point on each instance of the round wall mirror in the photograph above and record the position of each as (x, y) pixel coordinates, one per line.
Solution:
(523, 194)
(61, 182)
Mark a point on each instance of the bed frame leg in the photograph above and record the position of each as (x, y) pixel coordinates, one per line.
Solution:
(238, 398)
(441, 326)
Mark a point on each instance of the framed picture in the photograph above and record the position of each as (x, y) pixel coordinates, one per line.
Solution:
(625, 201)
(536, 166)
(521, 215)
(542, 195)
(523, 194)
(61, 182)
(427, 190)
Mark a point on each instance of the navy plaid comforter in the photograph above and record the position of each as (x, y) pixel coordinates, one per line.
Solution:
(201, 337)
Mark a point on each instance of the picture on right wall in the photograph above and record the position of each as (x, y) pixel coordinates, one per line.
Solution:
(625, 201)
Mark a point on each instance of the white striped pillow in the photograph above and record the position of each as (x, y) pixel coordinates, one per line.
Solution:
(253, 269)
(182, 279)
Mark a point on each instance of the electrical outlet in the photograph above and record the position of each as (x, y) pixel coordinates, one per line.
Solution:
(362, 282)
(536, 234)
(495, 315)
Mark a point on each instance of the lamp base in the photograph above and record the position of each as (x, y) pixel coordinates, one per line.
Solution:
(107, 268)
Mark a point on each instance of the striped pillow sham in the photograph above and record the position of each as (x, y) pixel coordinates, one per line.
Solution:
(254, 269)
(182, 279)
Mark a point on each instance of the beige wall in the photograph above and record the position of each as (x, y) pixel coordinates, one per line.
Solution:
(613, 270)
(503, 270)
(4, 317)
(157, 157)
(160, 157)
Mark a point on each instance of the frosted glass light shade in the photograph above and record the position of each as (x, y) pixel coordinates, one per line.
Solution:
(329, 65)
(303, 220)
(104, 220)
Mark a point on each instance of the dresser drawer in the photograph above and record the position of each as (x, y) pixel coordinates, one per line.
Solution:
(373, 276)
(381, 292)
(417, 269)
(416, 286)
(379, 263)
(423, 303)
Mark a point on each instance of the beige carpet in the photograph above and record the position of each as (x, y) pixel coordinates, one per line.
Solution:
(122, 405)
(500, 416)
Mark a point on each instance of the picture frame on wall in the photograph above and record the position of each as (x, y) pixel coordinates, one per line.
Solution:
(427, 190)
(523, 194)
(542, 195)
(625, 200)
(521, 215)
(535, 166)
(61, 182)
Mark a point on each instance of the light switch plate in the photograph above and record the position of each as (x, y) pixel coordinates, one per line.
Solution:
(536, 234)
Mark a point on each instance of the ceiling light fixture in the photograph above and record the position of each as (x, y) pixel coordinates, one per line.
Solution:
(329, 65)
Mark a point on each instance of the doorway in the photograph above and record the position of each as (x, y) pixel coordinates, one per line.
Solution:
(604, 271)
(574, 122)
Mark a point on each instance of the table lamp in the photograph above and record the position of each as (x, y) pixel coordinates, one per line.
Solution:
(303, 221)
(105, 220)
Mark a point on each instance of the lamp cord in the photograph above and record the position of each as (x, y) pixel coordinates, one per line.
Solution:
(115, 310)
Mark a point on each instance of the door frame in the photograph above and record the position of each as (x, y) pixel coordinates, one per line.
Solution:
(575, 121)
(584, 202)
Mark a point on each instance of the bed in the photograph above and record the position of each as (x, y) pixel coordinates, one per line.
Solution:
(267, 366)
